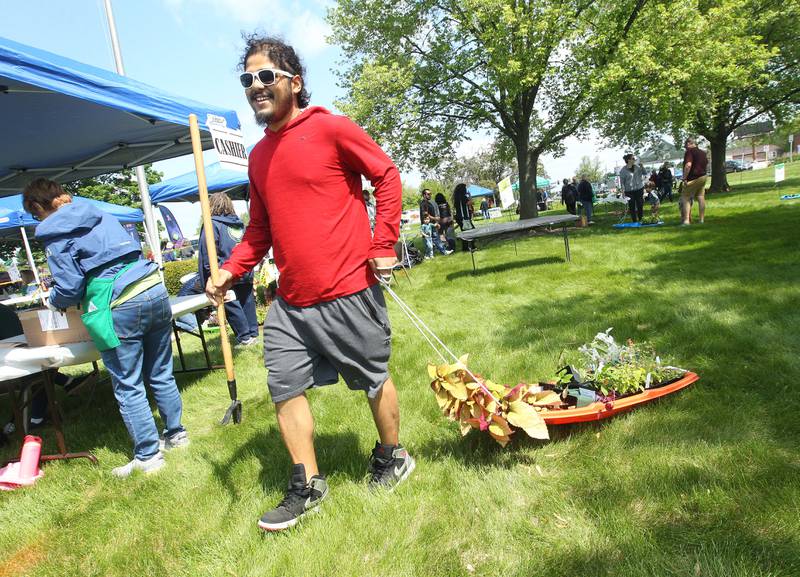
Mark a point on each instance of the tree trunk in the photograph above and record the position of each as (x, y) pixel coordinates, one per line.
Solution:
(527, 187)
(719, 145)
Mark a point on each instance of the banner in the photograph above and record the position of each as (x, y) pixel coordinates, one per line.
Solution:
(506, 192)
(228, 143)
(130, 228)
(779, 172)
(173, 230)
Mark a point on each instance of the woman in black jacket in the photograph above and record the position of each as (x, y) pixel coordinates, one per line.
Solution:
(463, 215)
(445, 220)
(228, 232)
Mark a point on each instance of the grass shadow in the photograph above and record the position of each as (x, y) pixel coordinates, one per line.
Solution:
(506, 266)
(337, 454)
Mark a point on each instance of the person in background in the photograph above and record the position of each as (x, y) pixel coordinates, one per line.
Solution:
(430, 232)
(370, 209)
(461, 202)
(631, 177)
(665, 181)
(427, 206)
(445, 221)
(569, 196)
(95, 262)
(695, 163)
(586, 198)
(168, 252)
(228, 232)
(485, 208)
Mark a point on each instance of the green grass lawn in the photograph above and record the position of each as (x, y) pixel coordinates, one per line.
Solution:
(703, 483)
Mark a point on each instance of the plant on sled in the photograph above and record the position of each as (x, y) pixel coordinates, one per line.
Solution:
(481, 404)
(619, 370)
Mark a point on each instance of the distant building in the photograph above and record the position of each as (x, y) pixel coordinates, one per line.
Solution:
(749, 152)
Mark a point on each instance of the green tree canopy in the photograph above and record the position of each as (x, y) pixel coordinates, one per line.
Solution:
(591, 167)
(723, 64)
(421, 75)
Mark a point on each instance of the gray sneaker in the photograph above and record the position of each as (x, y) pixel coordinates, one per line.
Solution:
(147, 466)
(301, 498)
(389, 466)
(175, 441)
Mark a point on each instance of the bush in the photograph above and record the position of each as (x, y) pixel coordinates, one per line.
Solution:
(173, 271)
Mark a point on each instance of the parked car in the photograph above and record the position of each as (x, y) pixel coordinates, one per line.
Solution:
(737, 166)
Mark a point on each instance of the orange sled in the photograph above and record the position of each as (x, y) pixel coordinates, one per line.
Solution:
(598, 411)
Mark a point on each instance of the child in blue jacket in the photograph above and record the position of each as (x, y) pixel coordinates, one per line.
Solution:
(96, 263)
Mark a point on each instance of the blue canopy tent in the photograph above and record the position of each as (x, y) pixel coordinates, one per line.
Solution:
(218, 179)
(13, 217)
(475, 190)
(66, 120)
(11, 206)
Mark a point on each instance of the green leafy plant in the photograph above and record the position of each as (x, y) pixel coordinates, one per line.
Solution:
(623, 369)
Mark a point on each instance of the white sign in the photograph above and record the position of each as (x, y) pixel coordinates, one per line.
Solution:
(779, 172)
(52, 321)
(13, 271)
(228, 143)
(506, 192)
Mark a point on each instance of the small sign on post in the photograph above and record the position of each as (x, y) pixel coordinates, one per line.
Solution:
(779, 172)
(228, 143)
(506, 192)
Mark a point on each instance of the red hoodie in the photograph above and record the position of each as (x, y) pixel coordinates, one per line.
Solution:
(306, 203)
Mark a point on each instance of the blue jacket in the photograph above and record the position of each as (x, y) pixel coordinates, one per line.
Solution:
(228, 232)
(82, 241)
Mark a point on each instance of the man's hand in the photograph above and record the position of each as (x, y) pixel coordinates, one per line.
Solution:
(383, 266)
(216, 291)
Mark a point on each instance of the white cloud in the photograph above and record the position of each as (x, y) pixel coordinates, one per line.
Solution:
(309, 31)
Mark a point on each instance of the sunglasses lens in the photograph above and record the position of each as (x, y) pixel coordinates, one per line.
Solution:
(266, 77)
(246, 79)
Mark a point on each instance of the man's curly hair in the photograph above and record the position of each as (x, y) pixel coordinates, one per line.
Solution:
(281, 54)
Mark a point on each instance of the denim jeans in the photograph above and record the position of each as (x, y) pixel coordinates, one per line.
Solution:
(636, 204)
(241, 313)
(588, 209)
(143, 325)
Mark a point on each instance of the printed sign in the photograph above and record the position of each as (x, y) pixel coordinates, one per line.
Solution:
(779, 172)
(228, 143)
(53, 321)
(506, 192)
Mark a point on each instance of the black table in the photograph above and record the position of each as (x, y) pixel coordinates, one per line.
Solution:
(499, 228)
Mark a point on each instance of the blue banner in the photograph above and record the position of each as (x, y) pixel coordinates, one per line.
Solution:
(130, 228)
(173, 230)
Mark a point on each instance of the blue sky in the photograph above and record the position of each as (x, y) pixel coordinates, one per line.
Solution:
(191, 48)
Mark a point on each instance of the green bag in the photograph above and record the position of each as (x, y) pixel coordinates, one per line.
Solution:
(97, 304)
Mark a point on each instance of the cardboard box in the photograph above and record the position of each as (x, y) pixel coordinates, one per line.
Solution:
(43, 327)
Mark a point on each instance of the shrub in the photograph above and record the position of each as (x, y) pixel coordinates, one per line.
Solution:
(173, 271)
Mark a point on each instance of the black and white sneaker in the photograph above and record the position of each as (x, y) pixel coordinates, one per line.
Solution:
(301, 498)
(389, 466)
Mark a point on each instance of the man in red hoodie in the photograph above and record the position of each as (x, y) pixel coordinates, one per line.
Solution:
(330, 315)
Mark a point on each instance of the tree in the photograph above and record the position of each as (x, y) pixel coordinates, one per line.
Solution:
(591, 168)
(117, 188)
(738, 62)
(421, 75)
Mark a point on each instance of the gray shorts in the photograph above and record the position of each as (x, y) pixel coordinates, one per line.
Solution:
(311, 346)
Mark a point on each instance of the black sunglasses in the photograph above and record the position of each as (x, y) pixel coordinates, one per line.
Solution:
(266, 76)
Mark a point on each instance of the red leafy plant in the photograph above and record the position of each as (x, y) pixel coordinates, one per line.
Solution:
(477, 403)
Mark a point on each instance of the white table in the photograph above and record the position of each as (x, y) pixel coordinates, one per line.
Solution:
(21, 360)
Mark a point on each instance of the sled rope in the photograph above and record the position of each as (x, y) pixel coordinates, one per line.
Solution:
(428, 334)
